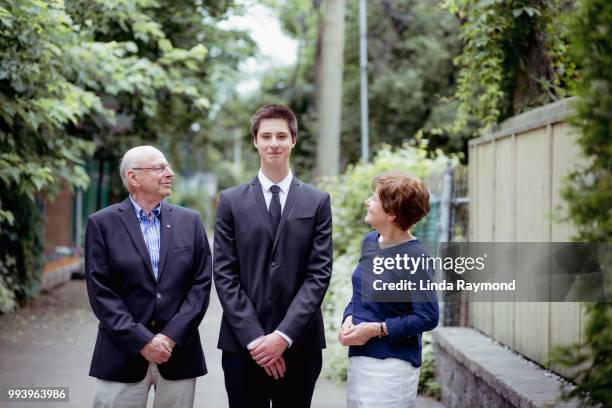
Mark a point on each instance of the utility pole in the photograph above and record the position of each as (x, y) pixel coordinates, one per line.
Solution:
(363, 68)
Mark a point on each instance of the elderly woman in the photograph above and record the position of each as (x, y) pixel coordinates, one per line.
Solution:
(383, 328)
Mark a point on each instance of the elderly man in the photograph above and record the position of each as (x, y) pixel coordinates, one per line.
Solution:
(148, 271)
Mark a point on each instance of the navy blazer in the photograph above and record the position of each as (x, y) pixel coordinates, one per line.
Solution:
(132, 305)
(267, 282)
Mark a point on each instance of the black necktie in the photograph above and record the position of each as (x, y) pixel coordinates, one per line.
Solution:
(275, 208)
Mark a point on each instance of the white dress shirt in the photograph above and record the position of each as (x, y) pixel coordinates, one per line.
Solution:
(149, 225)
(284, 185)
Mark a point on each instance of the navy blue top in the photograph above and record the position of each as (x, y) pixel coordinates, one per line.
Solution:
(405, 320)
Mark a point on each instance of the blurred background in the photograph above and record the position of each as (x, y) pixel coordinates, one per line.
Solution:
(503, 107)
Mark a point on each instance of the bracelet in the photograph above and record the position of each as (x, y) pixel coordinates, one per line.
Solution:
(382, 331)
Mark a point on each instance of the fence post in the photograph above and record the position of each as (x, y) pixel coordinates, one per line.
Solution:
(445, 204)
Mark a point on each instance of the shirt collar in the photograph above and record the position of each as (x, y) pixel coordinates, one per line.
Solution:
(138, 208)
(284, 184)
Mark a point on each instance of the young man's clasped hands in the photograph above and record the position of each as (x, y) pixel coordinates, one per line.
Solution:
(267, 352)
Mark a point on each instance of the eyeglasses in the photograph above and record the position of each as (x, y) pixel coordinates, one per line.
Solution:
(156, 170)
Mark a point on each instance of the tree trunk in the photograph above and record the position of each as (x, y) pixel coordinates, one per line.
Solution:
(329, 90)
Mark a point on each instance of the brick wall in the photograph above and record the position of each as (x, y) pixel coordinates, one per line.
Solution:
(58, 221)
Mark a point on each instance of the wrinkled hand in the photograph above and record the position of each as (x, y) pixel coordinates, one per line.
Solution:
(167, 340)
(346, 324)
(270, 349)
(157, 351)
(358, 335)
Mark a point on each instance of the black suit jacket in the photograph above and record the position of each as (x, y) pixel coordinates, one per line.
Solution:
(270, 282)
(132, 306)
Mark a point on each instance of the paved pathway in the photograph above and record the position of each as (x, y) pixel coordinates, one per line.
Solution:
(49, 343)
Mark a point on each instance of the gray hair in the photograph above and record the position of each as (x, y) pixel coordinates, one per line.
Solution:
(131, 158)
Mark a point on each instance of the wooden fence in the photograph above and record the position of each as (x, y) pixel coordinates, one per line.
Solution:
(516, 174)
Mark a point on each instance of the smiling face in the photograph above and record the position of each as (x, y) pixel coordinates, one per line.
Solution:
(376, 216)
(274, 143)
(151, 176)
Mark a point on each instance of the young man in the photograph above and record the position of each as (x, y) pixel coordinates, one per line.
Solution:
(272, 266)
(148, 269)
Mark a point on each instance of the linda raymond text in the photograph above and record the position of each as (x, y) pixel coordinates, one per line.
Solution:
(405, 284)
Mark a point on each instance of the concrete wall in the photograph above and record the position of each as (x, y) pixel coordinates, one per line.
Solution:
(515, 178)
(475, 371)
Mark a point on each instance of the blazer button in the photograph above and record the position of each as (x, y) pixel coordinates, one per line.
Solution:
(152, 323)
(158, 296)
(274, 264)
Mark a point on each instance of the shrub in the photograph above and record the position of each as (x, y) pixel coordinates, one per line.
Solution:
(589, 193)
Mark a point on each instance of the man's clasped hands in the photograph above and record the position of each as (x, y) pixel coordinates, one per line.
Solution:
(267, 351)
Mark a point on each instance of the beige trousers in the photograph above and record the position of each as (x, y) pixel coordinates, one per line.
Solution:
(168, 394)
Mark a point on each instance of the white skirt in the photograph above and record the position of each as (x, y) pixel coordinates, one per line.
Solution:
(388, 383)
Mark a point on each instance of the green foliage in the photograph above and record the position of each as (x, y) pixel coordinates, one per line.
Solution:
(335, 357)
(348, 193)
(515, 56)
(591, 360)
(37, 101)
(21, 258)
(191, 192)
(195, 200)
(78, 77)
(233, 120)
(589, 193)
(8, 302)
(175, 62)
(411, 46)
(428, 385)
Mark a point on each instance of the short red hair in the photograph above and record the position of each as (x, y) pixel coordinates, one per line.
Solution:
(402, 195)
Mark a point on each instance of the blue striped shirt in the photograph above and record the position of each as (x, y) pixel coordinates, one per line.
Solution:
(149, 225)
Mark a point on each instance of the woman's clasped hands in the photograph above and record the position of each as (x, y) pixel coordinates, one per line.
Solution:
(357, 334)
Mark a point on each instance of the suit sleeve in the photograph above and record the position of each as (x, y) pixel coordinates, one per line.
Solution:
(237, 307)
(318, 271)
(106, 304)
(189, 316)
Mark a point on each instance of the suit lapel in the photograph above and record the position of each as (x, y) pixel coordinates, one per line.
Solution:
(264, 215)
(166, 226)
(128, 217)
(292, 196)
